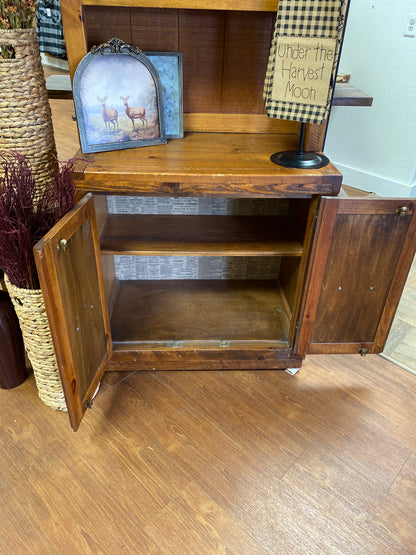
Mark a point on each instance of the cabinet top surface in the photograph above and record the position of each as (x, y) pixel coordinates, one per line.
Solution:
(243, 5)
(209, 160)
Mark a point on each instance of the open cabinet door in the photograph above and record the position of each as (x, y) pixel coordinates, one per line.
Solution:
(361, 255)
(69, 266)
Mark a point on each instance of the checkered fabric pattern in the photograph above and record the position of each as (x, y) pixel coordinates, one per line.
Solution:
(49, 28)
(304, 18)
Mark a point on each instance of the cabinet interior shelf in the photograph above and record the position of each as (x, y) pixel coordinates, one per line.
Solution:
(150, 312)
(199, 235)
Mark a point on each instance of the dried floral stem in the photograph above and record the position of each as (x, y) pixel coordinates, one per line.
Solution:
(15, 14)
(27, 214)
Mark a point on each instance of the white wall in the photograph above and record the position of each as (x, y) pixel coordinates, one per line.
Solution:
(375, 147)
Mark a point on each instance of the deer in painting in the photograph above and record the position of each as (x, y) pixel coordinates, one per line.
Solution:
(134, 113)
(110, 115)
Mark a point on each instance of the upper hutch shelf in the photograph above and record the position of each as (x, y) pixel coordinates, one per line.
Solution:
(59, 86)
(214, 164)
(243, 5)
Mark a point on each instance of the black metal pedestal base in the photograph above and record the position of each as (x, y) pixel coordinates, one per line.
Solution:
(305, 160)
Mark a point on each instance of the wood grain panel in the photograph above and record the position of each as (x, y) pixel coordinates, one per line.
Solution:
(401, 207)
(224, 53)
(110, 282)
(361, 254)
(172, 310)
(404, 264)
(221, 164)
(273, 355)
(155, 30)
(74, 31)
(82, 306)
(289, 279)
(315, 137)
(249, 5)
(362, 348)
(201, 41)
(101, 211)
(70, 275)
(102, 24)
(246, 53)
(320, 244)
(361, 264)
(237, 123)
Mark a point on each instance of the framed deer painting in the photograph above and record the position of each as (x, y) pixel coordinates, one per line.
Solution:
(118, 99)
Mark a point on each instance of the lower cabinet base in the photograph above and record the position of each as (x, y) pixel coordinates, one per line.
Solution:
(204, 359)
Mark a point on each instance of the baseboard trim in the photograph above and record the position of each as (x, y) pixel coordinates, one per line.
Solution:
(54, 62)
(401, 365)
(372, 183)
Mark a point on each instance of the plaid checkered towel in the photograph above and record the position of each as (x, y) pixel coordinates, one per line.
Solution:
(49, 28)
(304, 18)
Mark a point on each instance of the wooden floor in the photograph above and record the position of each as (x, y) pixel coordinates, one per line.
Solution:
(401, 343)
(211, 462)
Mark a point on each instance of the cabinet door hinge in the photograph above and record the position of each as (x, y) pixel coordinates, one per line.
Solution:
(62, 245)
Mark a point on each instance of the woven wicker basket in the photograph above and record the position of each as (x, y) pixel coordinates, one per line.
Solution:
(25, 114)
(30, 309)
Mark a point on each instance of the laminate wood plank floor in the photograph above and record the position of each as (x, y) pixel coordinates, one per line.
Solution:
(208, 462)
(401, 343)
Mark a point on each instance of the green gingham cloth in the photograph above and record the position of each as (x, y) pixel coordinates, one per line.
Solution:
(304, 18)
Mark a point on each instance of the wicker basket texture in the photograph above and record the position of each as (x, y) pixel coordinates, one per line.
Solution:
(30, 309)
(25, 114)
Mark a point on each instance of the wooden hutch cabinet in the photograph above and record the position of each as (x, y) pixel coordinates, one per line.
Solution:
(325, 273)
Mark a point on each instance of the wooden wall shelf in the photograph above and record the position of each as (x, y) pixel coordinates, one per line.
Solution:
(346, 94)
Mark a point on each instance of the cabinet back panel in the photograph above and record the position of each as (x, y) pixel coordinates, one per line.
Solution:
(224, 53)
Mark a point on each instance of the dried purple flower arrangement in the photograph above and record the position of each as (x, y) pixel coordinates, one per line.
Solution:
(27, 212)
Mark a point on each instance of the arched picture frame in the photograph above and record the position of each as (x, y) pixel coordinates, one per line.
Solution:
(118, 99)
